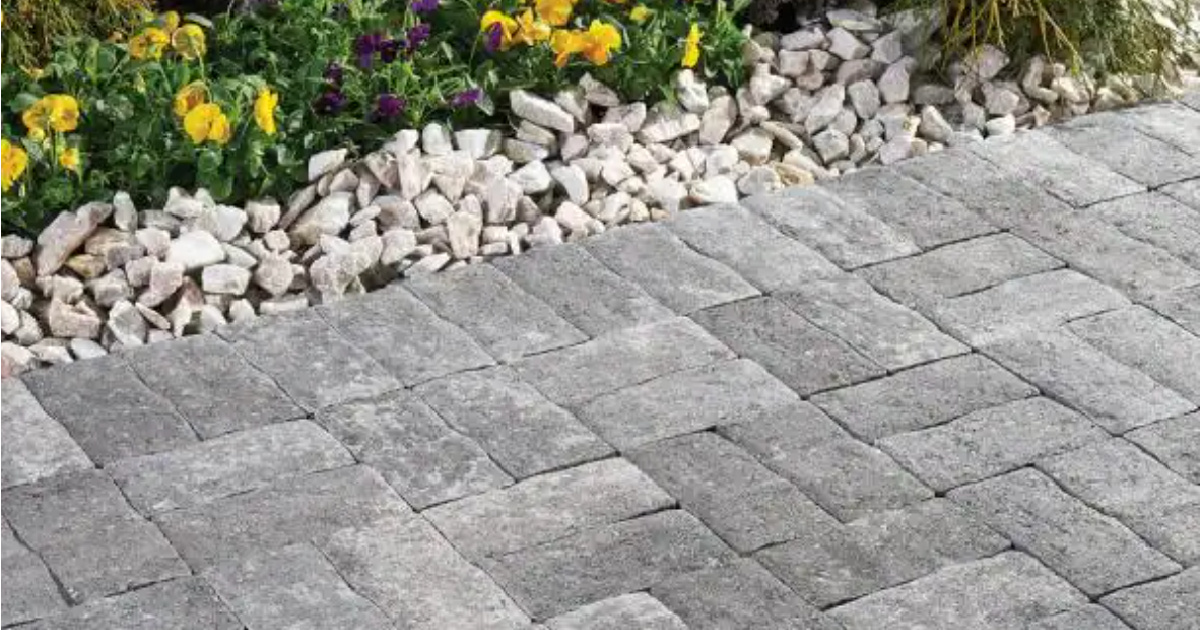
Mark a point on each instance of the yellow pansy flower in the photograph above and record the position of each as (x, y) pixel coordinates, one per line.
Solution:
(639, 14)
(33, 72)
(13, 161)
(37, 134)
(555, 12)
(69, 159)
(207, 122)
(189, 96)
(169, 21)
(691, 47)
(149, 44)
(508, 26)
(602, 38)
(566, 43)
(531, 30)
(64, 112)
(264, 110)
(36, 117)
(189, 41)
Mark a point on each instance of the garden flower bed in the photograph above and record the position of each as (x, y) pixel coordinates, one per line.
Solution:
(289, 157)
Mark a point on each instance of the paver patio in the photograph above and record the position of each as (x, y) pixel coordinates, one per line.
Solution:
(967, 405)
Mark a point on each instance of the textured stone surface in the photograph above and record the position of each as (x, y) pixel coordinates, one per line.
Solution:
(34, 446)
(1169, 603)
(1141, 339)
(635, 610)
(31, 592)
(1171, 122)
(1158, 219)
(1181, 307)
(1175, 442)
(1092, 617)
(187, 603)
(1140, 157)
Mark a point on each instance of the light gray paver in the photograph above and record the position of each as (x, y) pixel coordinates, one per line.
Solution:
(880, 550)
(1094, 552)
(957, 269)
(421, 457)
(1174, 442)
(288, 511)
(889, 334)
(34, 446)
(1169, 122)
(230, 464)
(1140, 157)
(183, 604)
(89, 537)
(314, 364)
(922, 397)
(656, 260)
(990, 441)
(292, 587)
(1157, 219)
(507, 321)
(738, 498)
(795, 351)
(844, 234)
(1181, 307)
(1025, 304)
(1172, 603)
(575, 375)
(684, 402)
(559, 576)
(523, 431)
(582, 290)
(1113, 395)
(29, 590)
(107, 410)
(1090, 617)
(744, 241)
(635, 610)
(1011, 590)
(405, 336)
(1187, 192)
(1141, 339)
(548, 507)
(418, 579)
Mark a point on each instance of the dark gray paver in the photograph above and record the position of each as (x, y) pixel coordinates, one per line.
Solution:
(506, 320)
(213, 387)
(582, 290)
(956, 269)
(632, 555)
(292, 587)
(656, 260)
(29, 591)
(843, 233)
(745, 503)
(107, 410)
(1094, 552)
(310, 360)
(230, 464)
(519, 427)
(1141, 339)
(684, 402)
(880, 550)
(1115, 396)
(423, 459)
(1011, 590)
(1174, 442)
(405, 336)
(1140, 157)
(548, 507)
(926, 216)
(1090, 617)
(183, 604)
(1169, 122)
(922, 397)
(34, 446)
(1181, 307)
(1172, 602)
(1040, 159)
(889, 334)
(288, 511)
(747, 243)
(407, 569)
(1187, 192)
(635, 610)
(740, 595)
(795, 351)
(89, 537)
(577, 374)
(1025, 304)
(990, 441)
(1157, 219)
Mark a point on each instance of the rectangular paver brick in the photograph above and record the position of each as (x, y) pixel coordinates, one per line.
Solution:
(423, 459)
(1158, 219)
(1170, 122)
(1108, 139)
(1025, 304)
(656, 260)
(108, 411)
(188, 603)
(791, 348)
(288, 511)
(1011, 590)
(635, 610)
(29, 591)
(1141, 339)
(684, 402)
(1090, 617)
(548, 507)
(418, 579)
(632, 555)
(1094, 552)
(582, 290)
(1187, 192)
(991, 441)
(843, 233)
(35, 446)
(922, 397)
(1168, 603)
(1181, 307)
(1175, 442)
(310, 360)
(227, 465)
(747, 243)
(405, 336)
(741, 500)
(635, 355)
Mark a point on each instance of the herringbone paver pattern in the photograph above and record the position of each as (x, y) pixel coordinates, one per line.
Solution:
(960, 394)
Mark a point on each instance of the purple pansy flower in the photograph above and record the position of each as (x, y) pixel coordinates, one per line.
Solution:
(333, 73)
(389, 106)
(425, 6)
(365, 47)
(389, 49)
(466, 98)
(417, 35)
(494, 39)
(331, 102)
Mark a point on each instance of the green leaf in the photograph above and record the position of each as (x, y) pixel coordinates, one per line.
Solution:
(22, 102)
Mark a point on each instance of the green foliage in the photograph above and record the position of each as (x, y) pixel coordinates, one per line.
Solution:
(32, 26)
